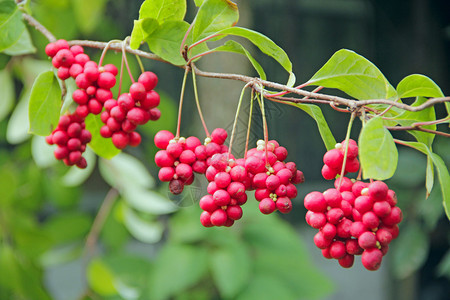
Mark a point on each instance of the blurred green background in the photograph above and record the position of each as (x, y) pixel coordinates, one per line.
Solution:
(54, 245)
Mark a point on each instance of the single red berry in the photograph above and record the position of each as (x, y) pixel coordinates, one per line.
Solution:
(111, 69)
(61, 152)
(267, 206)
(103, 95)
(234, 212)
(149, 80)
(284, 205)
(134, 138)
(120, 139)
(163, 159)
(151, 100)
(106, 80)
(333, 158)
(320, 241)
(176, 186)
(329, 173)
(346, 261)
(378, 190)
(367, 240)
(371, 259)
(162, 138)
(219, 217)
(137, 116)
(315, 201)
(221, 198)
(80, 97)
(352, 165)
(205, 219)
(328, 230)
(337, 250)
(207, 203)
(137, 91)
(317, 220)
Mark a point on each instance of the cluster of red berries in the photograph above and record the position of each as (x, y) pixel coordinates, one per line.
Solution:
(94, 83)
(334, 159)
(354, 218)
(272, 179)
(180, 157)
(71, 138)
(122, 116)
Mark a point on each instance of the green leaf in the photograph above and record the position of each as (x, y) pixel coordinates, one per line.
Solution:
(199, 3)
(67, 226)
(22, 46)
(76, 176)
(177, 268)
(410, 251)
(431, 209)
(444, 265)
(354, 75)
(442, 171)
(316, 113)
(231, 269)
(11, 25)
(101, 146)
(267, 286)
(235, 47)
(18, 124)
(213, 16)
(9, 184)
(429, 179)
(88, 13)
(61, 254)
(163, 10)
(148, 201)
(45, 104)
(377, 151)
(101, 278)
(416, 85)
(125, 171)
(8, 95)
(165, 41)
(266, 45)
(42, 152)
(143, 230)
(141, 30)
(408, 118)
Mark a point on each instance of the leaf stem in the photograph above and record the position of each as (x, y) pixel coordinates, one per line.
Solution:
(236, 119)
(180, 107)
(347, 137)
(100, 62)
(197, 102)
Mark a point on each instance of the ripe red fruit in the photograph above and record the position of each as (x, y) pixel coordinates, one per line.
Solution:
(367, 240)
(162, 138)
(284, 205)
(219, 217)
(137, 91)
(234, 212)
(106, 80)
(151, 100)
(221, 198)
(371, 259)
(111, 69)
(134, 138)
(137, 116)
(347, 261)
(120, 139)
(267, 206)
(205, 219)
(315, 202)
(378, 190)
(149, 80)
(333, 158)
(219, 135)
(165, 174)
(337, 249)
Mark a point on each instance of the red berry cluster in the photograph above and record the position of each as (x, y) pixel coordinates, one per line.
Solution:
(71, 138)
(122, 116)
(180, 158)
(272, 178)
(334, 159)
(262, 171)
(354, 218)
(228, 181)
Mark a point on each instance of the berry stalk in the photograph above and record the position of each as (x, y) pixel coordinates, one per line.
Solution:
(236, 118)
(197, 102)
(180, 107)
(347, 137)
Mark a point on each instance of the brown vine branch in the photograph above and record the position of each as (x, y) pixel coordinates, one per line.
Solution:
(417, 128)
(39, 27)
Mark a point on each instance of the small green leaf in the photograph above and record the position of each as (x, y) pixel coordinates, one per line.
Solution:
(429, 179)
(101, 278)
(231, 269)
(444, 265)
(266, 45)
(213, 16)
(8, 95)
(42, 152)
(165, 41)
(316, 113)
(354, 75)
(45, 104)
(232, 46)
(416, 85)
(163, 10)
(18, 124)
(148, 201)
(143, 230)
(177, 268)
(377, 150)
(76, 176)
(141, 30)
(410, 251)
(22, 46)
(11, 25)
(101, 146)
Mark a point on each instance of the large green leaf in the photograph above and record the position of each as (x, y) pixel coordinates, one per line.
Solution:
(18, 124)
(146, 231)
(235, 47)
(442, 171)
(8, 95)
(163, 10)
(45, 104)
(101, 146)
(408, 118)
(24, 45)
(231, 268)
(377, 150)
(416, 85)
(101, 278)
(141, 30)
(316, 113)
(266, 45)
(213, 16)
(165, 41)
(354, 75)
(410, 251)
(178, 267)
(11, 25)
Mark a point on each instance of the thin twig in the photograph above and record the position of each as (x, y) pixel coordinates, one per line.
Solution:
(39, 27)
(401, 128)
